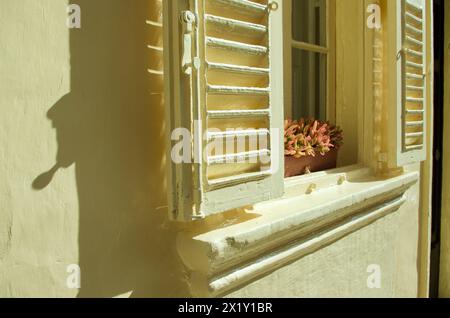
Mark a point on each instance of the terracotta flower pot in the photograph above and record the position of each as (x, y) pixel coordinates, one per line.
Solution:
(299, 166)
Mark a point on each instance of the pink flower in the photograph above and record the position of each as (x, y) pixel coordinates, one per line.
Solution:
(307, 137)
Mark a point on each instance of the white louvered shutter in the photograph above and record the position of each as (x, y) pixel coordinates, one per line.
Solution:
(412, 82)
(224, 80)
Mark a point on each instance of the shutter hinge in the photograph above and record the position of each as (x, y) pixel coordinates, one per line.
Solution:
(188, 20)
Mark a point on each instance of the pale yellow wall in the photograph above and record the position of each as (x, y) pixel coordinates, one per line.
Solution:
(349, 77)
(83, 100)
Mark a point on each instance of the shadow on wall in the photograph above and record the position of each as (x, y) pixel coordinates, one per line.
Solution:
(111, 127)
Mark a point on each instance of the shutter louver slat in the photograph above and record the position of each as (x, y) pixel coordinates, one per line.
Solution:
(412, 16)
(238, 157)
(231, 25)
(418, 134)
(246, 5)
(415, 100)
(415, 65)
(413, 41)
(415, 111)
(218, 114)
(414, 147)
(235, 134)
(414, 88)
(236, 46)
(242, 178)
(413, 76)
(236, 90)
(238, 69)
(413, 52)
(414, 123)
(414, 29)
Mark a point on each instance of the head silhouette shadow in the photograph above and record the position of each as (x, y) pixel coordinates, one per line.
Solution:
(66, 120)
(110, 128)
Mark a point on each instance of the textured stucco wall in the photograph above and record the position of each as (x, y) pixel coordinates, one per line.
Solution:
(340, 269)
(84, 101)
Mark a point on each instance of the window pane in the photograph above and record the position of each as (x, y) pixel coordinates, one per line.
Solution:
(309, 21)
(309, 84)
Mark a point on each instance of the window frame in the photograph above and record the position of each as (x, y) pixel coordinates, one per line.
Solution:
(362, 144)
(329, 50)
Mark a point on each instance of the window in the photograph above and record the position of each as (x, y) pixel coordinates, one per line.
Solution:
(228, 85)
(310, 60)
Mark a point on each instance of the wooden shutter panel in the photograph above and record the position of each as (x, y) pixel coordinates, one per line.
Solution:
(224, 83)
(411, 82)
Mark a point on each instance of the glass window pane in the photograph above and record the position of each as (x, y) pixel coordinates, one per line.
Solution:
(309, 21)
(309, 84)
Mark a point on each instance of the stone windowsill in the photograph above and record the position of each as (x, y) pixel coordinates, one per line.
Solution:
(315, 211)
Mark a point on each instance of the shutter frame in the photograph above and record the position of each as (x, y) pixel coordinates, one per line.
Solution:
(407, 145)
(191, 195)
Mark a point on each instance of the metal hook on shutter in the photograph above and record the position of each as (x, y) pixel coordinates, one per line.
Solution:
(401, 53)
(273, 6)
(187, 19)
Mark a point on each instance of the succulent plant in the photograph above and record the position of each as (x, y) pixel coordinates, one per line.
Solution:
(309, 137)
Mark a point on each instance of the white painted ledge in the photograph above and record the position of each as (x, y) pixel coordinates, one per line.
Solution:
(287, 229)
